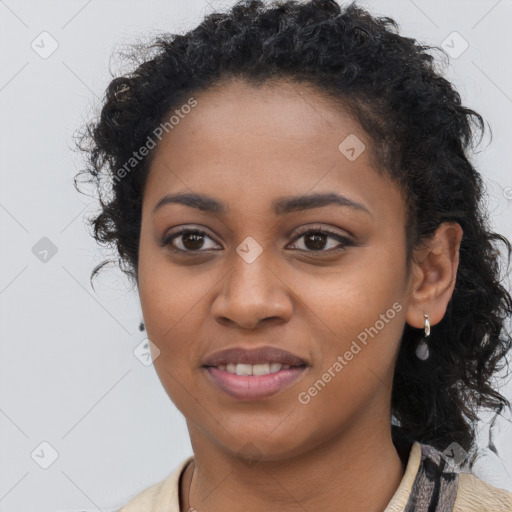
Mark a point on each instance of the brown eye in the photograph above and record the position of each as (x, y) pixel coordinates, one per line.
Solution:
(192, 241)
(316, 240)
(188, 240)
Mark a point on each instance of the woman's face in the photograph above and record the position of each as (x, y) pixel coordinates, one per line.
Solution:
(265, 274)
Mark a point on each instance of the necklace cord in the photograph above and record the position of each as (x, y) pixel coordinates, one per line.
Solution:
(190, 486)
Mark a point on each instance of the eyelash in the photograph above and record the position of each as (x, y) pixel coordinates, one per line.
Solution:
(344, 241)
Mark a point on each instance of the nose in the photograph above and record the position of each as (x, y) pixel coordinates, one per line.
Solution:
(252, 294)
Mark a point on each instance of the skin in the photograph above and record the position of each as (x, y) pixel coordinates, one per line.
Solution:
(247, 146)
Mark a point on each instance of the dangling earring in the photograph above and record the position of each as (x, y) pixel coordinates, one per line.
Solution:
(422, 351)
(142, 327)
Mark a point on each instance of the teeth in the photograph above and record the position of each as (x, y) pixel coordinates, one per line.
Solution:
(243, 369)
(253, 369)
(261, 369)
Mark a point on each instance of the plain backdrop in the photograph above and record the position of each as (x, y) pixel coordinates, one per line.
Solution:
(74, 396)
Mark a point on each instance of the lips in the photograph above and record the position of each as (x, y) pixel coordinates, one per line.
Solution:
(261, 355)
(244, 387)
(253, 374)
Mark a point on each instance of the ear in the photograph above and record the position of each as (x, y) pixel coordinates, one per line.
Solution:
(433, 275)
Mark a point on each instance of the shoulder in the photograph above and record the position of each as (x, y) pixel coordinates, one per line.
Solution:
(477, 495)
(163, 495)
(147, 499)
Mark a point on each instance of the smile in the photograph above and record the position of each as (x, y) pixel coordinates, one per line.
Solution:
(253, 382)
(253, 369)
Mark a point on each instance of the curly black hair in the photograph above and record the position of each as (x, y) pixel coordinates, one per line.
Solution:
(420, 135)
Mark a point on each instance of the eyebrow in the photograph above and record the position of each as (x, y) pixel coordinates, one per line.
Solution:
(280, 206)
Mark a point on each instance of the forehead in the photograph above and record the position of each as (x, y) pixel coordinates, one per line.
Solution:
(280, 139)
(277, 115)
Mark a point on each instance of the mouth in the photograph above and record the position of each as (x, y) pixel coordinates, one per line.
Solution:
(239, 356)
(253, 374)
(254, 369)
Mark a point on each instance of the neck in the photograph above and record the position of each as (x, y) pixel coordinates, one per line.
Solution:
(358, 469)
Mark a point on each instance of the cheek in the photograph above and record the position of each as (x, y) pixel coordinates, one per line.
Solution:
(173, 315)
(174, 305)
(353, 294)
(162, 304)
(357, 310)
(167, 293)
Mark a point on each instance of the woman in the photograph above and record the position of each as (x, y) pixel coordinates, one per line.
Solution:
(289, 188)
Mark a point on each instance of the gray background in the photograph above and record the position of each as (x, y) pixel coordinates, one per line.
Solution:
(68, 373)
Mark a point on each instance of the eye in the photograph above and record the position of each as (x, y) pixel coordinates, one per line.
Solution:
(316, 240)
(188, 240)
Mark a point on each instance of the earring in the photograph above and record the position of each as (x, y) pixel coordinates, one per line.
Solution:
(142, 327)
(422, 351)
